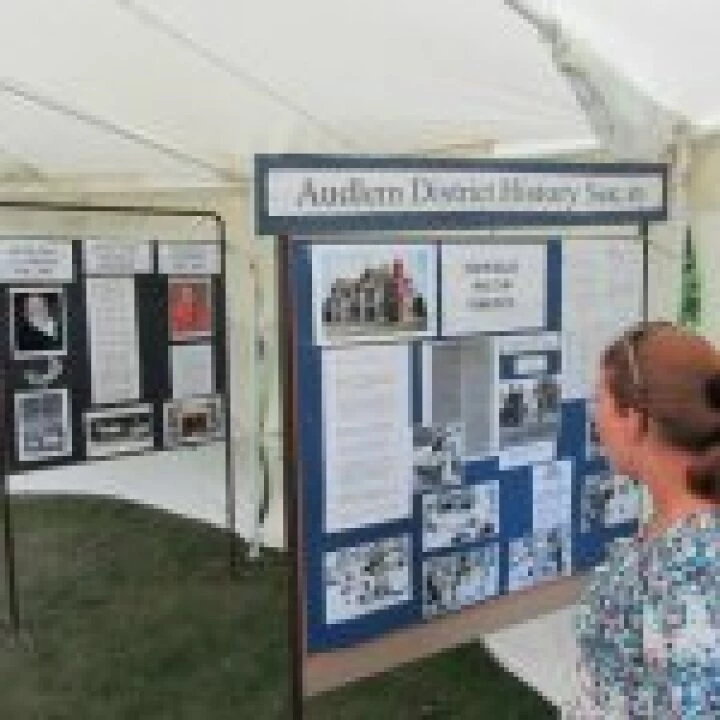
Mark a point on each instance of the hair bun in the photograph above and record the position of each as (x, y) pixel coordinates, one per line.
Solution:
(712, 391)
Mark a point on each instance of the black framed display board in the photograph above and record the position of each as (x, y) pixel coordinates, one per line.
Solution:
(437, 354)
(111, 347)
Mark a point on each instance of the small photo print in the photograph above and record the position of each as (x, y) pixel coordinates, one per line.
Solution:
(190, 308)
(538, 557)
(608, 500)
(38, 322)
(437, 456)
(529, 410)
(373, 292)
(364, 579)
(460, 516)
(118, 431)
(593, 446)
(453, 582)
(193, 421)
(42, 425)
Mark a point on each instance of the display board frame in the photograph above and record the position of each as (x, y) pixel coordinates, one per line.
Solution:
(343, 207)
(76, 376)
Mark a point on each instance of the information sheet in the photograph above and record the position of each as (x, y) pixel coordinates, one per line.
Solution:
(113, 339)
(368, 441)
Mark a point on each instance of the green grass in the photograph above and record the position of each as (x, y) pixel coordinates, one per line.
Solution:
(131, 614)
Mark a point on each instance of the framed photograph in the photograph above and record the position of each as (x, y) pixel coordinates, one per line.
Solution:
(38, 322)
(190, 308)
(42, 425)
(373, 292)
(193, 421)
(119, 430)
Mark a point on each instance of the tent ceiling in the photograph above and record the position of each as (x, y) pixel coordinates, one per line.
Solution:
(183, 90)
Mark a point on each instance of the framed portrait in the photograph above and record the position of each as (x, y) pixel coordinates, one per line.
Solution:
(38, 322)
(193, 421)
(42, 425)
(190, 308)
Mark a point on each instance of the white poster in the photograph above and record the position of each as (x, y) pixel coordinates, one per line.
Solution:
(182, 258)
(602, 296)
(552, 494)
(493, 288)
(365, 293)
(34, 259)
(42, 425)
(113, 340)
(116, 257)
(367, 578)
(192, 370)
(368, 443)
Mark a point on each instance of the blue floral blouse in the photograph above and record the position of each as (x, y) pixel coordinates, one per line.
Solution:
(648, 628)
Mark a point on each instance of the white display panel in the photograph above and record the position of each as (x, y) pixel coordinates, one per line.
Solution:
(368, 436)
(192, 370)
(113, 339)
(602, 281)
(34, 259)
(182, 258)
(493, 288)
(102, 256)
(373, 293)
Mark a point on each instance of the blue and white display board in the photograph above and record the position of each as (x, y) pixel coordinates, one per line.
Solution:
(444, 381)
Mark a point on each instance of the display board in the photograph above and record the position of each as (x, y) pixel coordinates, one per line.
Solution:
(110, 347)
(436, 354)
(446, 442)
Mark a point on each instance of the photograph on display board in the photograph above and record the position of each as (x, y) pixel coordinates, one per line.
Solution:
(367, 578)
(460, 516)
(538, 557)
(608, 500)
(190, 308)
(552, 494)
(38, 322)
(452, 582)
(193, 421)
(376, 292)
(529, 410)
(119, 430)
(593, 446)
(42, 425)
(437, 456)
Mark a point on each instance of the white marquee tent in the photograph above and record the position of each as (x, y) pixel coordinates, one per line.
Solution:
(166, 101)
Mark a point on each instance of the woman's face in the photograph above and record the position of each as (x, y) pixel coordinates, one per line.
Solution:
(617, 431)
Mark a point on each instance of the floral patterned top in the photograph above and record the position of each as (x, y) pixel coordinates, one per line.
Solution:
(648, 628)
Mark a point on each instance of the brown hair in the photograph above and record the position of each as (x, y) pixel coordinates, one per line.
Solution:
(672, 377)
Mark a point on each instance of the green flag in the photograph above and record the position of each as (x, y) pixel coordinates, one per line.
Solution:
(690, 314)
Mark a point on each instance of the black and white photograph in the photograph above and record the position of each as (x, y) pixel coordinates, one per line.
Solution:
(367, 578)
(462, 515)
(42, 425)
(38, 322)
(538, 557)
(528, 410)
(118, 431)
(373, 292)
(193, 421)
(608, 500)
(452, 582)
(437, 456)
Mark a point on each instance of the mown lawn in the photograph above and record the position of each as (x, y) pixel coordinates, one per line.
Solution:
(130, 613)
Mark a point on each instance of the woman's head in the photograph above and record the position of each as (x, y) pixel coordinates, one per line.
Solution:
(659, 389)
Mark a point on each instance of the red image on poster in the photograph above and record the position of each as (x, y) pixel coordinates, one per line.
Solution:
(190, 308)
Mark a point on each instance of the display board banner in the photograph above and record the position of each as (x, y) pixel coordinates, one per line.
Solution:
(316, 193)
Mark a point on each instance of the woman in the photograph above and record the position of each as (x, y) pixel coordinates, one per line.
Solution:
(648, 625)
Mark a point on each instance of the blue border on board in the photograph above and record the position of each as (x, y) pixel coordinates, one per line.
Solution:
(447, 220)
(515, 484)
